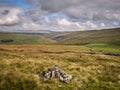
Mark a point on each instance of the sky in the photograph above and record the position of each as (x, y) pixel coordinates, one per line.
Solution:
(59, 15)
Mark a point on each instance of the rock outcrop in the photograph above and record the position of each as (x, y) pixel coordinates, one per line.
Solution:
(58, 73)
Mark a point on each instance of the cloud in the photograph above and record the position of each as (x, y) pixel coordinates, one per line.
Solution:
(87, 9)
(82, 14)
(60, 14)
(9, 16)
(64, 22)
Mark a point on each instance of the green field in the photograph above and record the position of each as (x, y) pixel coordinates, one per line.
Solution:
(21, 39)
(20, 65)
(105, 48)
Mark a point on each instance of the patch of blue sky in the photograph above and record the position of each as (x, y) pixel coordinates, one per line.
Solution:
(54, 16)
(24, 5)
(18, 3)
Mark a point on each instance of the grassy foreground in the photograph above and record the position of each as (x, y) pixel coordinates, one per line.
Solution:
(19, 67)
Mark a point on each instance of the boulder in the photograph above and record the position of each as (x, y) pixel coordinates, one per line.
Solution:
(58, 73)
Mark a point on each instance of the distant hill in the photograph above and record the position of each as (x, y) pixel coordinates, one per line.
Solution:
(29, 31)
(23, 39)
(108, 36)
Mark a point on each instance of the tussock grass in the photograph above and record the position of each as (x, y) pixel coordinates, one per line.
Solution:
(20, 65)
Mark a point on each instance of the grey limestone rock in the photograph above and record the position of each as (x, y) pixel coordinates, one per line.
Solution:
(58, 73)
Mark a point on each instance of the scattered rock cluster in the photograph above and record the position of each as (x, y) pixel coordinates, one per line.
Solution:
(58, 73)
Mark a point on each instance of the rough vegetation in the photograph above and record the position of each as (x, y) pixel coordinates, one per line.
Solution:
(20, 65)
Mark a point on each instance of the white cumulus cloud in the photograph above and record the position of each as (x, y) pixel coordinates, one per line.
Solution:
(9, 16)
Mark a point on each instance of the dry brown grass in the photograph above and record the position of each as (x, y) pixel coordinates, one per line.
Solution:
(19, 67)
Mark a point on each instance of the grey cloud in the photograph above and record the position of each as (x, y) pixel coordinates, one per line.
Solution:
(56, 5)
(9, 16)
(5, 12)
(32, 14)
(87, 9)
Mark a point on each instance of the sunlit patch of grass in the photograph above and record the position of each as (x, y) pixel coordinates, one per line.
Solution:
(105, 48)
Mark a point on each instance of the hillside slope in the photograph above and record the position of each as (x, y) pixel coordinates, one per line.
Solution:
(23, 39)
(111, 36)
